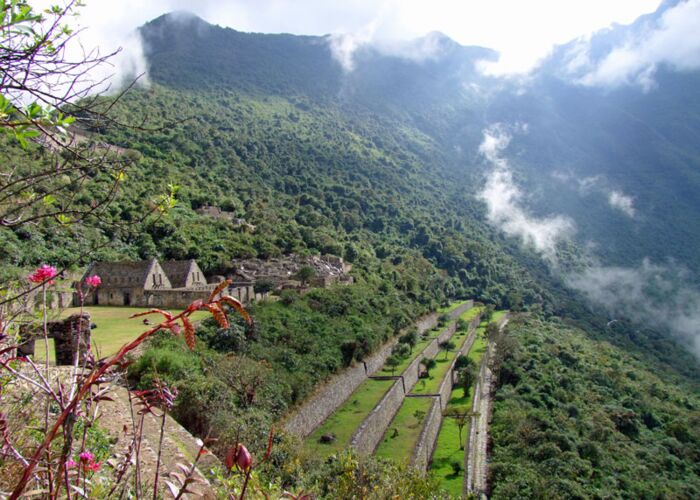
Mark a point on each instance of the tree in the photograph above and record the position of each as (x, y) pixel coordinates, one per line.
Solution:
(305, 274)
(491, 331)
(42, 93)
(461, 417)
(392, 362)
(443, 319)
(410, 338)
(466, 377)
(447, 346)
(400, 350)
(463, 361)
(263, 286)
(488, 313)
(429, 364)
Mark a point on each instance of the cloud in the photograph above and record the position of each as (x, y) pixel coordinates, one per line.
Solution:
(503, 199)
(622, 202)
(673, 41)
(522, 32)
(598, 184)
(658, 295)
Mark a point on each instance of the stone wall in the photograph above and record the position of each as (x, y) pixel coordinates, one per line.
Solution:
(337, 389)
(324, 401)
(423, 451)
(372, 429)
(370, 433)
(70, 335)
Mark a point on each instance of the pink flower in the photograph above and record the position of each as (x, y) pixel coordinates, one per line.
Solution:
(93, 466)
(93, 281)
(86, 456)
(70, 463)
(43, 274)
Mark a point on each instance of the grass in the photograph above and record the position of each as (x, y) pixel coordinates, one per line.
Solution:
(447, 448)
(114, 328)
(470, 314)
(417, 350)
(431, 385)
(497, 315)
(451, 307)
(403, 432)
(349, 416)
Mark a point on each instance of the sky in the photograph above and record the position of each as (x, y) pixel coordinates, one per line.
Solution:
(522, 31)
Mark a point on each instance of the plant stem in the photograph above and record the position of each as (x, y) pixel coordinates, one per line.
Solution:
(160, 451)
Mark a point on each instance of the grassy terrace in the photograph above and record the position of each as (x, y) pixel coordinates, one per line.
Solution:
(431, 385)
(497, 315)
(114, 328)
(349, 416)
(448, 448)
(450, 308)
(403, 432)
(428, 337)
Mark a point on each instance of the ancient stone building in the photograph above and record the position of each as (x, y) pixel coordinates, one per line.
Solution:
(127, 283)
(281, 271)
(170, 284)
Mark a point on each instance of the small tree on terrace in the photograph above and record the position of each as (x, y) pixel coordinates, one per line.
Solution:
(429, 364)
(410, 338)
(466, 377)
(392, 362)
(461, 417)
(447, 346)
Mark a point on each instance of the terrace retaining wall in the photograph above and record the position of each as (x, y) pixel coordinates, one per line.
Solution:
(370, 432)
(337, 389)
(423, 451)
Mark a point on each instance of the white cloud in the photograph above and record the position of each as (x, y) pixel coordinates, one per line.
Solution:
(658, 295)
(522, 32)
(503, 200)
(622, 202)
(675, 41)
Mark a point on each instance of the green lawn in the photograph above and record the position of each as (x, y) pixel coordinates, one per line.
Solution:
(451, 307)
(403, 432)
(431, 385)
(114, 328)
(470, 314)
(417, 350)
(447, 448)
(349, 416)
(497, 315)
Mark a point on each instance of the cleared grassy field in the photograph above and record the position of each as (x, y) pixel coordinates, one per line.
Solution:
(497, 315)
(450, 308)
(447, 449)
(114, 328)
(403, 432)
(417, 350)
(349, 416)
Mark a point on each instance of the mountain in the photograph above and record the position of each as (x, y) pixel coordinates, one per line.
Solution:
(436, 182)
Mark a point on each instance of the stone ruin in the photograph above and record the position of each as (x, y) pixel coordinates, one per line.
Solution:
(281, 271)
(69, 335)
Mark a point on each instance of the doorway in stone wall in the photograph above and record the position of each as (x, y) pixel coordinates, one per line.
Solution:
(127, 299)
